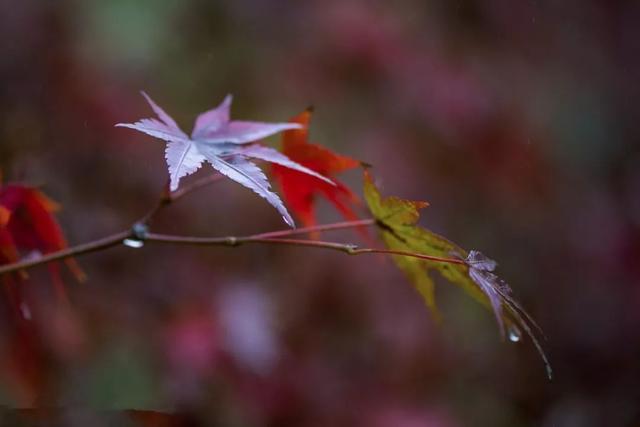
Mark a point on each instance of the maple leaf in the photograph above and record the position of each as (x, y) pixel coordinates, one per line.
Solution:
(27, 226)
(222, 142)
(397, 222)
(298, 190)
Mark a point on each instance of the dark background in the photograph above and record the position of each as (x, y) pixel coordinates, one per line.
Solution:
(517, 121)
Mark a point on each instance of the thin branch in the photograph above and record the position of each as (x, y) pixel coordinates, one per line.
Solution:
(117, 238)
(318, 228)
(85, 248)
(260, 239)
(408, 254)
(168, 197)
(195, 185)
(273, 237)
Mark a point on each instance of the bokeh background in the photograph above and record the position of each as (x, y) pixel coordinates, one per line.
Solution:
(517, 121)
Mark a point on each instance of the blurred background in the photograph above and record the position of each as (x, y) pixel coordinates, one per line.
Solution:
(516, 121)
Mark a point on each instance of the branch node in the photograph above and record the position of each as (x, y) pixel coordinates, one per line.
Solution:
(139, 231)
(232, 241)
(351, 249)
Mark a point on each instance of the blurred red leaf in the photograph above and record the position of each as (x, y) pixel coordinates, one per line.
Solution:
(27, 225)
(8, 251)
(300, 190)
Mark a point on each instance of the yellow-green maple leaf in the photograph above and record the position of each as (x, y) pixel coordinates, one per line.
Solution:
(397, 219)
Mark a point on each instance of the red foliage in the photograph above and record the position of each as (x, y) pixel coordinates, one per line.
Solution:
(8, 251)
(300, 190)
(27, 224)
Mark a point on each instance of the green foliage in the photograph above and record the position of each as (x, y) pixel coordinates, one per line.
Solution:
(397, 222)
(397, 219)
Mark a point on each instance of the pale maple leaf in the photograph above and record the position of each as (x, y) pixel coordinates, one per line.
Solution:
(480, 271)
(225, 144)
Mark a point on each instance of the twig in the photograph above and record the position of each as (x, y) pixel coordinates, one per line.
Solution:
(168, 198)
(117, 238)
(84, 248)
(318, 228)
(260, 239)
(271, 237)
(202, 182)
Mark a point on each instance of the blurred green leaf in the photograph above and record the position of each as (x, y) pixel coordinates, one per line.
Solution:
(397, 218)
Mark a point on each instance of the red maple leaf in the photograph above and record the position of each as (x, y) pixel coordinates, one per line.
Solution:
(300, 190)
(27, 225)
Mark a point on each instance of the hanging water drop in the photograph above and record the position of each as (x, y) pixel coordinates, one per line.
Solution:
(138, 234)
(514, 333)
(133, 243)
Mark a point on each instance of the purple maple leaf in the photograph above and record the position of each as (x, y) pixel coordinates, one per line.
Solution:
(500, 296)
(480, 271)
(224, 144)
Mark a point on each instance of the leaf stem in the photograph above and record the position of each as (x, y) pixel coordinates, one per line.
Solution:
(317, 228)
(195, 185)
(262, 239)
(168, 198)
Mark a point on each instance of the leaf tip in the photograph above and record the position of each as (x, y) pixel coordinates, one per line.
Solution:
(146, 97)
(227, 101)
(365, 165)
(287, 218)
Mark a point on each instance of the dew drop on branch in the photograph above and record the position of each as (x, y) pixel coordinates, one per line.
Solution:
(133, 243)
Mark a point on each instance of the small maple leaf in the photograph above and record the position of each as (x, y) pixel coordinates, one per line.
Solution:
(222, 142)
(397, 222)
(298, 190)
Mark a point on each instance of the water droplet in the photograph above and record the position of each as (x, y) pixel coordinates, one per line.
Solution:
(514, 333)
(133, 243)
(25, 310)
(549, 371)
